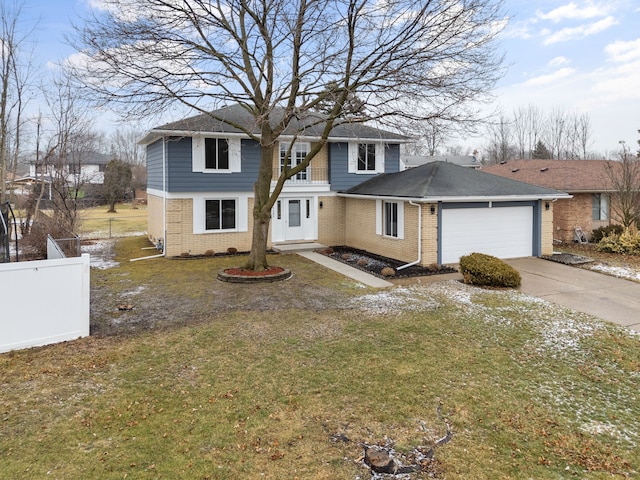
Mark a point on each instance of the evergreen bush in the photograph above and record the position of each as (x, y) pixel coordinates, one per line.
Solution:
(626, 243)
(486, 270)
(599, 233)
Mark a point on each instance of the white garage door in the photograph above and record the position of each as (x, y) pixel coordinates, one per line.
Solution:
(504, 232)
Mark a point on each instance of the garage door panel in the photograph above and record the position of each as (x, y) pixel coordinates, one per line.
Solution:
(504, 232)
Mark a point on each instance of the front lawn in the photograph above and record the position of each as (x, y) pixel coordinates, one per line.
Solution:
(290, 380)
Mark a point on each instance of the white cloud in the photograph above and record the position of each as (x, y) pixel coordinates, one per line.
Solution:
(549, 78)
(572, 33)
(572, 11)
(559, 61)
(623, 51)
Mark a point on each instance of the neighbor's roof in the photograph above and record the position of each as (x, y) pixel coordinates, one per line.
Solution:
(442, 181)
(571, 176)
(228, 117)
(464, 160)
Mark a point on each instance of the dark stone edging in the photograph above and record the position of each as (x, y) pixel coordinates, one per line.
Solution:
(275, 277)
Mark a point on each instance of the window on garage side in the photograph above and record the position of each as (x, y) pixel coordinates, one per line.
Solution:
(390, 214)
(220, 214)
(600, 206)
(216, 153)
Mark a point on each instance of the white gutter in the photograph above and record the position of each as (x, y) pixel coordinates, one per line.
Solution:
(419, 237)
(507, 198)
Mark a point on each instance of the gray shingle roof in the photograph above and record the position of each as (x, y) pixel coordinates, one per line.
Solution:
(442, 180)
(310, 126)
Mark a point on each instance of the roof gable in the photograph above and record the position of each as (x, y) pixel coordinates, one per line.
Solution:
(442, 180)
(566, 175)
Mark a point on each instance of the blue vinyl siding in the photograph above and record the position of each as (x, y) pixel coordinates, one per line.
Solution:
(339, 175)
(181, 177)
(154, 165)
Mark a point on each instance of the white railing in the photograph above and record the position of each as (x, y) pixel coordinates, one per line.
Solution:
(43, 302)
(305, 177)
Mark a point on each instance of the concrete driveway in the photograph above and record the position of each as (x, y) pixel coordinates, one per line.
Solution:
(613, 299)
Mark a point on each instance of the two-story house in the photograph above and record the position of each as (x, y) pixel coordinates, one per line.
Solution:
(201, 172)
(79, 168)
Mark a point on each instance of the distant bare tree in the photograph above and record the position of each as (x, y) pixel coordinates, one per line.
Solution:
(15, 74)
(500, 147)
(431, 134)
(124, 146)
(527, 127)
(582, 133)
(282, 60)
(71, 140)
(625, 181)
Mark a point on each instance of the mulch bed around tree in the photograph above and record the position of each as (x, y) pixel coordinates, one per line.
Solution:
(375, 263)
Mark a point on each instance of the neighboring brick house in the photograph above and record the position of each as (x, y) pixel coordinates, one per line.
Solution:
(201, 171)
(586, 180)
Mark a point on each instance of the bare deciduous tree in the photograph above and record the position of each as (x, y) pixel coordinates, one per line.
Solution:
(500, 147)
(625, 182)
(15, 67)
(284, 59)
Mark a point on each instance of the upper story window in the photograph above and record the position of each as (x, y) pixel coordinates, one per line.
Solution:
(367, 158)
(216, 151)
(600, 206)
(215, 155)
(294, 155)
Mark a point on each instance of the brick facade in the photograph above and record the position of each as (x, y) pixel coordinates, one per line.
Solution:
(572, 213)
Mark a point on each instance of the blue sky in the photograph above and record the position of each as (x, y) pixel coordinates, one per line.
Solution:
(581, 56)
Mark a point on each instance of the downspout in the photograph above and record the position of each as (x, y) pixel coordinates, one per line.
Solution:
(419, 237)
(164, 195)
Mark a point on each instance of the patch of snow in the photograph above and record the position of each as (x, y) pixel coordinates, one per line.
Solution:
(594, 427)
(561, 334)
(101, 254)
(137, 291)
(395, 301)
(620, 272)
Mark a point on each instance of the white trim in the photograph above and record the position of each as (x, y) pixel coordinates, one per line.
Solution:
(380, 218)
(353, 158)
(198, 160)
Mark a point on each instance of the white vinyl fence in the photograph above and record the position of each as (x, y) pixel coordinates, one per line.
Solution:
(43, 302)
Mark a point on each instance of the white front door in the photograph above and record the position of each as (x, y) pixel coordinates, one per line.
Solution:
(294, 219)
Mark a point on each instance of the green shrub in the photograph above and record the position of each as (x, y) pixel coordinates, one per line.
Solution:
(626, 243)
(599, 233)
(485, 270)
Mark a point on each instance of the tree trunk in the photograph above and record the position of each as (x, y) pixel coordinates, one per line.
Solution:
(262, 210)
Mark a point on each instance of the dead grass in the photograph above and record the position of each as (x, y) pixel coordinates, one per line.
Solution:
(96, 222)
(289, 380)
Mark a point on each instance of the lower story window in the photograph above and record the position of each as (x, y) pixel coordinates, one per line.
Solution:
(391, 219)
(220, 214)
(600, 206)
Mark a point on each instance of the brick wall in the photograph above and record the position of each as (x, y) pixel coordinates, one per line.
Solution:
(360, 231)
(181, 239)
(155, 224)
(331, 221)
(547, 229)
(572, 213)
